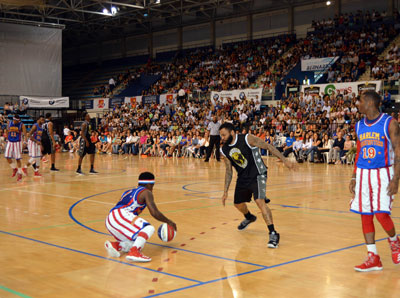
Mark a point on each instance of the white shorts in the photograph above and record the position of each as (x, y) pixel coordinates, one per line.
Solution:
(13, 150)
(35, 150)
(124, 225)
(371, 191)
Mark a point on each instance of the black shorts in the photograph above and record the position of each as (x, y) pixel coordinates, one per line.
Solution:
(257, 190)
(83, 150)
(48, 147)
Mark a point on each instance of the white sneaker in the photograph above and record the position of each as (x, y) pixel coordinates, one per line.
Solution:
(112, 249)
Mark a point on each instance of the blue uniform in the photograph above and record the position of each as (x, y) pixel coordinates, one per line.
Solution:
(14, 132)
(129, 201)
(375, 148)
(37, 135)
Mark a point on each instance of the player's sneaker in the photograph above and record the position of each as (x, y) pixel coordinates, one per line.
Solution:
(243, 225)
(113, 249)
(19, 177)
(14, 172)
(25, 171)
(135, 255)
(37, 174)
(54, 169)
(79, 172)
(372, 263)
(93, 172)
(395, 247)
(273, 240)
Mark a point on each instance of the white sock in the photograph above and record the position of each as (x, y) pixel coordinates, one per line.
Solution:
(372, 248)
(19, 171)
(394, 238)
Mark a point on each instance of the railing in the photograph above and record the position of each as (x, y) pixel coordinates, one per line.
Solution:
(257, 36)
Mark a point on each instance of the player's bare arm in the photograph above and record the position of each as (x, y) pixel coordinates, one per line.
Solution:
(50, 126)
(83, 135)
(228, 179)
(147, 196)
(394, 133)
(24, 133)
(352, 185)
(257, 142)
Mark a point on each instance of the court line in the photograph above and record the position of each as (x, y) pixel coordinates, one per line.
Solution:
(260, 269)
(13, 292)
(100, 257)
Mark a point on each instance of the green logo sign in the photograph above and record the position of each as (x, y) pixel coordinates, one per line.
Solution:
(330, 89)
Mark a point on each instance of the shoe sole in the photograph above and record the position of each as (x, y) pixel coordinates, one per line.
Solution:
(135, 259)
(112, 252)
(273, 246)
(369, 269)
(80, 174)
(93, 173)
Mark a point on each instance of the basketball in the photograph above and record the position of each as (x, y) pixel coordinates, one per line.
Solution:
(166, 233)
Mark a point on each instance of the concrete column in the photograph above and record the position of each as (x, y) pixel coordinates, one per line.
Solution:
(250, 27)
(180, 38)
(150, 44)
(291, 19)
(213, 38)
(391, 7)
(338, 7)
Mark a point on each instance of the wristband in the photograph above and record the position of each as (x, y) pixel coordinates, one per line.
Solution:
(353, 178)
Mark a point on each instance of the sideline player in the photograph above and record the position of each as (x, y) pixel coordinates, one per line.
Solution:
(15, 129)
(48, 141)
(86, 146)
(242, 151)
(35, 147)
(376, 176)
(124, 223)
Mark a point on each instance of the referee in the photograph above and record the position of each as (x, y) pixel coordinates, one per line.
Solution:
(215, 139)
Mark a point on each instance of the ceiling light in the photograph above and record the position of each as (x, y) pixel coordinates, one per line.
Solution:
(113, 10)
(105, 11)
(328, 3)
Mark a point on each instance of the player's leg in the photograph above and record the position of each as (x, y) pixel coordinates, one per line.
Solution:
(18, 158)
(91, 151)
(81, 152)
(9, 155)
(362, 204)
(53, 158)
(243, 195)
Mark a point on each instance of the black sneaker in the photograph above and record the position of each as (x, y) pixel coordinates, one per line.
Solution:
(54, 170)
(243, 225)
(79, 172)
(273, 240)
(93, 172)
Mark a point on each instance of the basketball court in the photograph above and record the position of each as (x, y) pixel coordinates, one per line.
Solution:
(52, 234)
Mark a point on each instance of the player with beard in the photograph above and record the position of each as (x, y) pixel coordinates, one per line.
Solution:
(242, 151)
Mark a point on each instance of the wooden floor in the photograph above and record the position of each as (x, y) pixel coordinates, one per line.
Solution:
(52, 235)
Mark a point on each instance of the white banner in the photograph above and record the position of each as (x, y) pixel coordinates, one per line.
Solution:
(168, 99)
(45, 102)
(133, 100)
(334, 88)
(318, 64)
(101, 103)
(254, 94)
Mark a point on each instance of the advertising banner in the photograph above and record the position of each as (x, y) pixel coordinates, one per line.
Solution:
(318, 64)
(333, 88)
(254, 94)
(45, 102)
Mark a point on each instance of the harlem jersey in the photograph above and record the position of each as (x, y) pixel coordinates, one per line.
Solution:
(14, 132)
(374, 148)
(129, 201)
(37, 135)
(245, 159)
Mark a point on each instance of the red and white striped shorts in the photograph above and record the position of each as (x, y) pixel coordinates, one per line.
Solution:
(13, 150)
(35, 150)
(371, 191)
(124, 225)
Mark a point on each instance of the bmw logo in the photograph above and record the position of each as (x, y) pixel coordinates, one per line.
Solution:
(25, 101)
(242, 95)
(216, 96)
(51, 102)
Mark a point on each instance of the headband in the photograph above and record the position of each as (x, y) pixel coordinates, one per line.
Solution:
(14, 118)
(146, 181)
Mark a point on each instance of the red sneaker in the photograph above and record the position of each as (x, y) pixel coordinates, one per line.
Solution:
(113, 249)
(14, 172)
(136, 256)
(19, 177)
(372, 263)
(25, 171)
(395, 246)
(37, 174)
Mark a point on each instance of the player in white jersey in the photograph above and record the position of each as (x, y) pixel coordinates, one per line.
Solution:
(124, 223)
(376, 176)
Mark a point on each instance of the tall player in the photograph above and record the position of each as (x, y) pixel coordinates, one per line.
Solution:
(376, 176)
(242, 151)
(86, 146)
(35, 147)
(124, 223)
(15, 130)
(48, 141)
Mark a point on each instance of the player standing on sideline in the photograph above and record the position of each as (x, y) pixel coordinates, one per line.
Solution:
(124, 223)
(48, 141)
(242, 151)
(15, 129)
(376, 176)
(35, 147)
(86, 146)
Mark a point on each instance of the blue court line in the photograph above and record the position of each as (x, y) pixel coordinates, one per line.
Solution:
(260, 269)
(151, 243)
(100, 257)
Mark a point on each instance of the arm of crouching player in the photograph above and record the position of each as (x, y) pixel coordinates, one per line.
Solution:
(394, 133)
(149, 199)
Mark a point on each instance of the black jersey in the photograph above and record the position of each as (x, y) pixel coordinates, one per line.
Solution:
(245, 159)
(46, 132)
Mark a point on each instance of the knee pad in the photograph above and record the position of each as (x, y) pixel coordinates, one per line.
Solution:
(146, 232)
(385, 220)
(367, 223)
